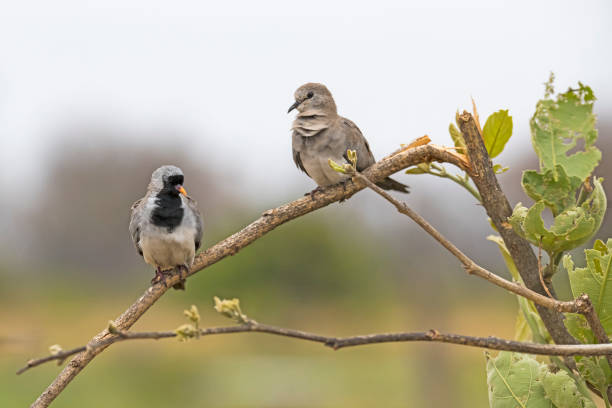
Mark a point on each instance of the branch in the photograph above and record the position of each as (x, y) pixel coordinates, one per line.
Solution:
(231, 245)
(498, 209)
(492, 343)
(468, 264)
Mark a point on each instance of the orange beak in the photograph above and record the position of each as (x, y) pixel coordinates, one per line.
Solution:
(182, 190)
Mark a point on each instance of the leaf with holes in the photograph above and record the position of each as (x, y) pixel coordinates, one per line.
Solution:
(559, 126)
(557, 190)
(563, 391)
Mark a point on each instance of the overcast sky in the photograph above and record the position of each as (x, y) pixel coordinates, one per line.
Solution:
(225, 72)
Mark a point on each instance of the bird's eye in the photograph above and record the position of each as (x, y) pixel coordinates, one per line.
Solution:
(310, 94)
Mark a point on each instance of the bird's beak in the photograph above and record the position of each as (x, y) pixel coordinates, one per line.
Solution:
(181, 190)
(295, 105)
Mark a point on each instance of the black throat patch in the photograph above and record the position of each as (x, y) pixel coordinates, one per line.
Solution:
(168, 213)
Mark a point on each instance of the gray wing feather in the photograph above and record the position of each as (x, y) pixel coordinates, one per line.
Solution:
(193, 206)
(136, 219)
(356, 141)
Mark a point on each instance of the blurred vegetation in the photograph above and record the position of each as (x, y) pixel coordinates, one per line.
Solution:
(334, 272)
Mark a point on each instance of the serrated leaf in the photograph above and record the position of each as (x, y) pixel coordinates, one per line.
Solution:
(571, 228)
(596, 371)
(513, 381)
(457, 137)
(558, 125)
(595, 279)
(563, 392)
(557, 190)
(496, 132)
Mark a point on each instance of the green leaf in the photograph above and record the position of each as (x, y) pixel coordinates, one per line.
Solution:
(563, 392)
(595, 279)
(572, 227)
(496, 132)
(557, 190)
(556, 128)
(457, 137)
(415, 170)
(499, 169)
(513, 381)
(597, 372)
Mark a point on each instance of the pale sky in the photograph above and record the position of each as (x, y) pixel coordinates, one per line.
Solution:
(226, 71)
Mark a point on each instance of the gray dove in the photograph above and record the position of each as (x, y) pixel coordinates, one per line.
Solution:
(165, 224)
(320, 134)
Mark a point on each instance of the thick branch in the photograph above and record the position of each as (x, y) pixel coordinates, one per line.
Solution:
(492, 343)
(498, 209)
(231, 245)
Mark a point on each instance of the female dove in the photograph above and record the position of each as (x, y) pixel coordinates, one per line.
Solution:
(320, 134)
(165, 224)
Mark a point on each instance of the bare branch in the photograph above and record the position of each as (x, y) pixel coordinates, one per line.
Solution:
(231, 245)
(492, 343)
(470, 266)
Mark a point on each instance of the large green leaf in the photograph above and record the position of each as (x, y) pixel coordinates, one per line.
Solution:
(554, 187)
(514, 381)
(572, 227)
(496, 132)
(556, 128)
(563, 392)
(595, 280)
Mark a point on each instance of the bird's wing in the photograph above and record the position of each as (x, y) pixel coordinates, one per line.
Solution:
(136, 220)
(298, 161)
(193, 206)
(356, 141)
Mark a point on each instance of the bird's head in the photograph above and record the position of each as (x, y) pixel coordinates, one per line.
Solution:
(315, 98)
(168, 178)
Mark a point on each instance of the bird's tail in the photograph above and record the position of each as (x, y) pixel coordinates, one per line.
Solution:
(390, 184)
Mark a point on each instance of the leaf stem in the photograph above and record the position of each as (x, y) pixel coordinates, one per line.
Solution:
(462, 181)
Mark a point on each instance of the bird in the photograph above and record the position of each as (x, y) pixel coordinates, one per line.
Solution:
(166, 225)
(320, 134)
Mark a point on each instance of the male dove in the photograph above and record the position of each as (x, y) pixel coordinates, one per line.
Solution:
(165, 224)
(320, 134)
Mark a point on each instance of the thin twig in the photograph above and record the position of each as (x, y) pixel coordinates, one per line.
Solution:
(540, 270)
(588, 311)
(492, 343)
(267, 222)
(469, 265)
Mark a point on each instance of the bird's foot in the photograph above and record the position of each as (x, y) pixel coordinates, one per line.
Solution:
(183, 270)
(160, 276)
(344, 184)
(313, 192)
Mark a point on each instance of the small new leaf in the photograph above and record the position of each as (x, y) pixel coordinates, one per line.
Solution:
(231, 308)
(55, 349)
(186, 332)
(192, 314)
(336, 167)
(112, 329)
(457, 137)
(496, 132)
